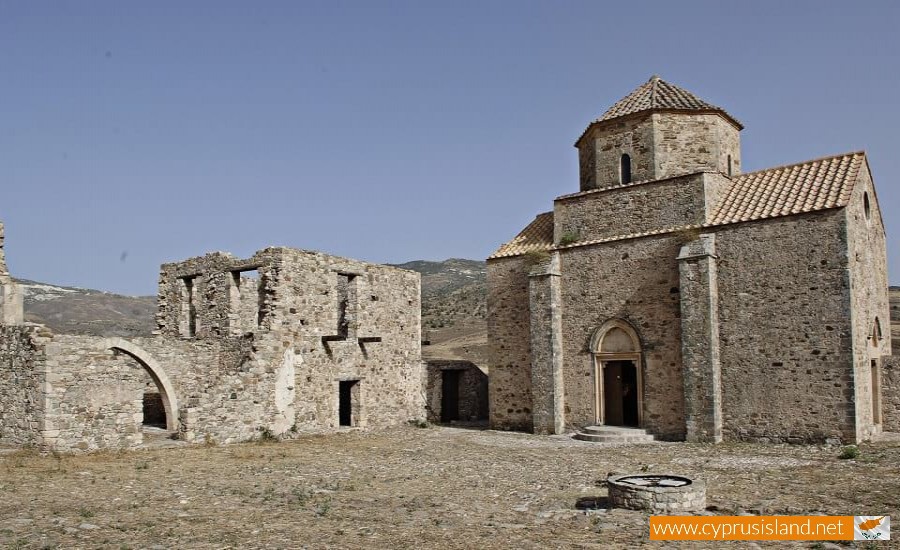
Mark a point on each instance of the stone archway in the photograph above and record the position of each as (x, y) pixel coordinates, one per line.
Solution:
(618, 383)
(153, 368)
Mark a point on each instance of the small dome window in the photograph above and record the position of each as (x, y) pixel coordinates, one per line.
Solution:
(625, 169)
(866, 208)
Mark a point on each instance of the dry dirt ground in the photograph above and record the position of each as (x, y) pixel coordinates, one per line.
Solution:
(435, 487)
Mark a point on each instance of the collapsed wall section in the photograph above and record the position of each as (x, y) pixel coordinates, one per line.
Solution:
(294, 340)
(287, 341)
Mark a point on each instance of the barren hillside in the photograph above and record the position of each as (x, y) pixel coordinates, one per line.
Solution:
(83, 311)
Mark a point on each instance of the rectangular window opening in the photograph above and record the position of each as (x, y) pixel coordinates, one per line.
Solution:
(247, 294)
(346, 304)
(188, 324)
(348, 403)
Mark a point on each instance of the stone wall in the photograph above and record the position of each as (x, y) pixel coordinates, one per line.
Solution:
(636, 281)
(661, 145)
(890, 393)
(600, 152)
(641, 208)
(473, 390)
(21, 384)
(382, 348)
(685, 143)
(217, 388)
(869, 309)
(509, 340)
(785, 351)
(890, 374)
(94, 396)
(92, 389)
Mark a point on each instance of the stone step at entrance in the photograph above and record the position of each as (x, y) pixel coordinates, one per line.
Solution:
(156, 437)
(613, 434)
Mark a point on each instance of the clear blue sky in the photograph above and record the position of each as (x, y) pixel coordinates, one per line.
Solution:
(134, 133)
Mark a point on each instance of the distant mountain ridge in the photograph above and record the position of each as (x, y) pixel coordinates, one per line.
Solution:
(70, 310)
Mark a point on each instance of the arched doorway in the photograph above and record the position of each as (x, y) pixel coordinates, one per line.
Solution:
(618, 386)
(162, 382)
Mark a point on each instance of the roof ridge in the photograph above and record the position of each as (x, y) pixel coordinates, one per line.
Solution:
(794, 164)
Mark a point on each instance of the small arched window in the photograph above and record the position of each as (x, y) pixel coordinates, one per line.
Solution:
(729, 166)
(625, 169)
(866, 208)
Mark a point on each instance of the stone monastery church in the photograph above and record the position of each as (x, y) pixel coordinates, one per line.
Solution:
(676, 294)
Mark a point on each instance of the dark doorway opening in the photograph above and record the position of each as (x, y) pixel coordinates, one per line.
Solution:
(450, 395)
(346, 391)
(620, 393)
(154, 410)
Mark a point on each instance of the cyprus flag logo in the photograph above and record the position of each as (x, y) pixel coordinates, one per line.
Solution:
(871, 527)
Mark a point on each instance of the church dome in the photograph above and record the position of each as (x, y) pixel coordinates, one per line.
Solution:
(658, 95)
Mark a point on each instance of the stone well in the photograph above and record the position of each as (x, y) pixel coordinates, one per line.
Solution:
(658, 493)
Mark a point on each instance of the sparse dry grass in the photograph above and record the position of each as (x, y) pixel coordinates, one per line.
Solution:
(409, 487)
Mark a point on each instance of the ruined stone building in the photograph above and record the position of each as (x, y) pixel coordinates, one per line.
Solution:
(286, 341)
(677, 294)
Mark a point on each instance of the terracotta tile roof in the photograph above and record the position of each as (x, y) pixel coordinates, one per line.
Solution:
(814, 185)
(657, 94)
(538, 235)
